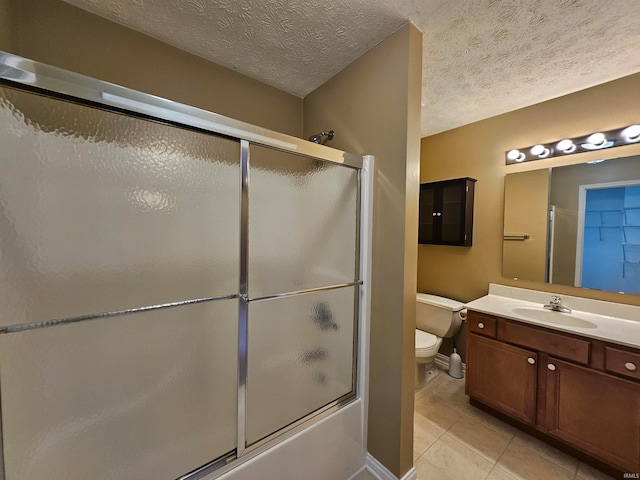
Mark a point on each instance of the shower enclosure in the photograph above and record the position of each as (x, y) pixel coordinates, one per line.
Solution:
(178, 290)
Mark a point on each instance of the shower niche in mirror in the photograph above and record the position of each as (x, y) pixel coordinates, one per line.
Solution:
(576, 225)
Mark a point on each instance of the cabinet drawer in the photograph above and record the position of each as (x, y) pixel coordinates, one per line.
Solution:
(569, 348)
(482, 324)
(622, 362)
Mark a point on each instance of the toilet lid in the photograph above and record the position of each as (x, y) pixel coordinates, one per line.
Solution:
(425, 340)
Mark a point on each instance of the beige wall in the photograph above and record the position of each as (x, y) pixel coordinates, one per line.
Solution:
(525, 213)
(478, 150)
(8, 25)
(373, 105)
(59, 34)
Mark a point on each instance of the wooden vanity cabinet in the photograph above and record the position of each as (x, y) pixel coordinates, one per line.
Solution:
(574, 391)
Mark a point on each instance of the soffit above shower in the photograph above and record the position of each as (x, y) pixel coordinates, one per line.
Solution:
(480, 57)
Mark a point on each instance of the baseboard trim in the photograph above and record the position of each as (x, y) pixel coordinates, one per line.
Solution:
(359, 473)
(442, 361)
(378, 470)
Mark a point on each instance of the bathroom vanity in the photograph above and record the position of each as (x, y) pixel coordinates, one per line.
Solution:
(572, 379)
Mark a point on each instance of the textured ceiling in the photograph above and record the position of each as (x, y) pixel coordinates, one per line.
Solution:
(481, 57)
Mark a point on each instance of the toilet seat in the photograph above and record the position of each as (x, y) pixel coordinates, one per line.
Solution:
(427, 344)
(425, 339)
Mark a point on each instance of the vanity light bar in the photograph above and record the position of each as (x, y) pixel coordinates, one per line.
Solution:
(568, 146)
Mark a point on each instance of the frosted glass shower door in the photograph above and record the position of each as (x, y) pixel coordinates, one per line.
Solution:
(302, 287)
(300, 357)
(118, 293)
(143, 396)
(103, 212)
(302, 223)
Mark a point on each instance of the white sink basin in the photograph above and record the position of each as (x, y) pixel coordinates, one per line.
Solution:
(610, 322)
(577, 319)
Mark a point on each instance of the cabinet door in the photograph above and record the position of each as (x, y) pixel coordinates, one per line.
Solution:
(452, 209)
(595, 412)
(428, 213)
(503, 377)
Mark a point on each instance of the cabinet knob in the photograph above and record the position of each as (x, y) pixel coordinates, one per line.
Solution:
(439, 214)
(630, 366)
(433, 214)
(480, 325)
(531, 360)
(551, 367)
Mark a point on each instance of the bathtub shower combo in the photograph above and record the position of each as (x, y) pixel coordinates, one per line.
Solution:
(179, 291)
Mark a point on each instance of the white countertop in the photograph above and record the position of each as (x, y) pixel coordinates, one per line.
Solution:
(611, 322)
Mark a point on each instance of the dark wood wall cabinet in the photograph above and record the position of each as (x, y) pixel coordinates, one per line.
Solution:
(577, 393)
(446, 212)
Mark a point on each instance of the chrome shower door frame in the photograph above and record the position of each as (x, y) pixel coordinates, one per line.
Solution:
(25, 74)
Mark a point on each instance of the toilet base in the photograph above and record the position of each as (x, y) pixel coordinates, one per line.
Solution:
(425, 373)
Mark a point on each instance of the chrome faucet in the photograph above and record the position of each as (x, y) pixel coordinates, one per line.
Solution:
(555, 305)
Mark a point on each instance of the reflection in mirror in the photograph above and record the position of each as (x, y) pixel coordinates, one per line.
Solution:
(525, 225)
(582, 223)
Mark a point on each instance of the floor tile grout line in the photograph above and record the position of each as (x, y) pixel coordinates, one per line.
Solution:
(462, 414)
(575, 473)
(438, 470)
(493, 427)
(503, 453)
(531, 449)
(467, 413)
(493, 466)
(489, 472)
(477, 450)
(461, 443)
(433, 443)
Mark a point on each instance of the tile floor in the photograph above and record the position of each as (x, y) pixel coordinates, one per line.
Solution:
(453, 441)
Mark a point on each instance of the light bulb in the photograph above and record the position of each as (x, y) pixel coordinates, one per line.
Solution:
(597, 139)
(515, 155)
(540, 151)
(631, 133)
(566, 146)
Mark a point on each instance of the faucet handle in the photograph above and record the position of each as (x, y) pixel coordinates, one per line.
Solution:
(556, 300)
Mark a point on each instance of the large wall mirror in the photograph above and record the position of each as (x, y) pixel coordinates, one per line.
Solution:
(576, 225)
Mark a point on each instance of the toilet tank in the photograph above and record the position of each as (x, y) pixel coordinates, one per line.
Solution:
(438, 315)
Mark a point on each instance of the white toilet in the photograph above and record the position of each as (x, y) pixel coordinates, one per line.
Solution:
(436, 318)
